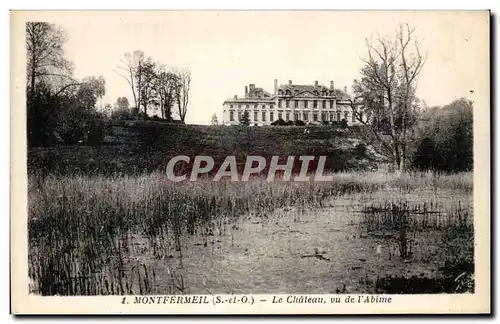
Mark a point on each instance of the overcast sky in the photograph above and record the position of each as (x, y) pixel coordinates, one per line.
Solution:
(227, 50)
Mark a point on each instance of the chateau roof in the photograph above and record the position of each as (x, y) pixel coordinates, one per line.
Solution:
(259, 94)
(302, 87)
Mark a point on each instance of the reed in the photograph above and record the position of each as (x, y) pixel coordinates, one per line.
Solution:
(83, 230)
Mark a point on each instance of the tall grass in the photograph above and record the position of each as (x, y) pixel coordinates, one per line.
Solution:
(81, 227)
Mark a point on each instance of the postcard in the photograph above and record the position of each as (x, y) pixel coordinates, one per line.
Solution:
(250, 162)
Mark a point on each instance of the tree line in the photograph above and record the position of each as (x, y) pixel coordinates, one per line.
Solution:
(155, 86)
(60, 108)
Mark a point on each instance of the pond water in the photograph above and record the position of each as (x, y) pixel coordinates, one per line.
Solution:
(327, 249)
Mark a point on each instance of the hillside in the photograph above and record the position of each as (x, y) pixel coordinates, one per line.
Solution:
(143, 147)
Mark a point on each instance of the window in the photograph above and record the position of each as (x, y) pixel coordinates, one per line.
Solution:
(331, 117)
(287, 116)
(315, 117)
(255, 115)
(239, 115)
(288, 103)
(271, 106)
(331, 104)
(280, 115)
(271, 116)
(263, 116)
(231, 106)
(346, 115)
(305, 116)
(353, 117)
(296, 103)
(280, 92)
(239, 106)
(315, 103)
(323, 116)
(279, 103)
(296, 116)
(288, 92)
(263, 106)
(338, 115)
(231, 116)
(305, 103)
(324, 104)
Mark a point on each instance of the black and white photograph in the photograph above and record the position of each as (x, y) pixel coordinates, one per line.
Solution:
(252, 159)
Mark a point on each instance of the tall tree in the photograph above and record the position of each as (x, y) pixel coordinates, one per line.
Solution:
(145, 83)
(184, 85)
(90, 90)
(387, 93)
(45, 56)
(122, 103)
(131, 70)
(166, 83)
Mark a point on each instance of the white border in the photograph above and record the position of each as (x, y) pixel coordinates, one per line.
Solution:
(93, 4)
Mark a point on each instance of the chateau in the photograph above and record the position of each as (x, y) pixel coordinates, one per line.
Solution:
(312, 104)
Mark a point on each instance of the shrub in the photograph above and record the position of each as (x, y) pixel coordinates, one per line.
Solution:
(245, 119)
(279, 122)
(359, 150)
(122, 114)
(52, 119)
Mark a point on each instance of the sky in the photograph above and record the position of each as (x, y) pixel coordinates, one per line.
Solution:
(226, 50)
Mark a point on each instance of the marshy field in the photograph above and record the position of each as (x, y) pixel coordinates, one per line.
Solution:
(102, 233)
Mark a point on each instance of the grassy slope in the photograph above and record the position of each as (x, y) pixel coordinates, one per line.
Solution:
(137, 147)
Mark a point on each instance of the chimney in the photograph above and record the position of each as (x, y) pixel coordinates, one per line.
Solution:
(315, 83)
(289, 82)
(235, 96)
(331, 85)
(275, 86)
(252, 88)
(246, 91)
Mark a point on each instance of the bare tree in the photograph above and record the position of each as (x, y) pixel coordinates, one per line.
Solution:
(130, 69)
(183, 87)
(387, 93)
(45, 56)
